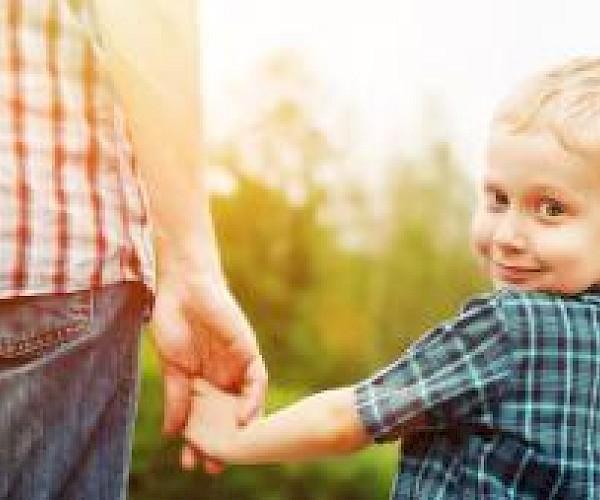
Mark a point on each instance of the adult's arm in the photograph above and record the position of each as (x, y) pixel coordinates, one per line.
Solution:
(150, 50)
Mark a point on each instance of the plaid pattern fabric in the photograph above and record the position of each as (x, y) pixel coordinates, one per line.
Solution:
(72, 212)
(499, 402)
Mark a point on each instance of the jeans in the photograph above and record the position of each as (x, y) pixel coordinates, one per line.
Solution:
(68, 393)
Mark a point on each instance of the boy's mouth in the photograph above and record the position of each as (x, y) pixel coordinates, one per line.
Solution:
(512, 273)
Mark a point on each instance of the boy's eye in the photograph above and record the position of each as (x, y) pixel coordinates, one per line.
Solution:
(496, 200)
(549, 207)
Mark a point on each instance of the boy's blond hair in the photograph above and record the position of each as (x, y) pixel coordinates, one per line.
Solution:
(564, 101)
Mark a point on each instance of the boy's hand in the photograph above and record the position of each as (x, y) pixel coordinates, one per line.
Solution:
(200, 331)
(213, 425)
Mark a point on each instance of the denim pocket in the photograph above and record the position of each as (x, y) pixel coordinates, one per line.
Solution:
(32, 327)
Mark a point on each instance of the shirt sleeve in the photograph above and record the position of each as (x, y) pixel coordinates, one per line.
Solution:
(455, 368)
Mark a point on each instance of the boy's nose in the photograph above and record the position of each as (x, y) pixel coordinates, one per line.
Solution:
(509, 231)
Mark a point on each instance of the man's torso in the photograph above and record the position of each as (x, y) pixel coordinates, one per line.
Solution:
(73, 215)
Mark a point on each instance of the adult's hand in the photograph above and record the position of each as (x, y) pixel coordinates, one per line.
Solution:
(200, 331)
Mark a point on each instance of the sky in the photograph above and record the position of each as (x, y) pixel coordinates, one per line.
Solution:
(384, 57)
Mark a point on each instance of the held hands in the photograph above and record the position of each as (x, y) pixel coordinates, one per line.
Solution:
(200, 331)
(212, 425)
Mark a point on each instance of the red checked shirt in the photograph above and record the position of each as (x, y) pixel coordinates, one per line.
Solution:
(72, 214)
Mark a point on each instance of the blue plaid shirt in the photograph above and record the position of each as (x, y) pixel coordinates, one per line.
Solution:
(500, 402)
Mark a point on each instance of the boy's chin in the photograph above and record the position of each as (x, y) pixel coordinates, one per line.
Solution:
(531, 287)
(507, 285)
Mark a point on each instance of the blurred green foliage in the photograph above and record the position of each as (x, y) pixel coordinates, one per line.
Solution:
(155, 474)
(325, 313)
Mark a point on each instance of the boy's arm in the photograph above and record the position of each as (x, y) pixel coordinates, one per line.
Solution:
(323, 424)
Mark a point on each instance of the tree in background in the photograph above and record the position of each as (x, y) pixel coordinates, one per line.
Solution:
(426, 269)
(280, 256)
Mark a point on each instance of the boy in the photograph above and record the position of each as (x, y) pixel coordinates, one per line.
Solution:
(501, 401)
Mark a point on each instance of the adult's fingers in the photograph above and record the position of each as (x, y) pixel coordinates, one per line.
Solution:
(253, 391)
(177, 400)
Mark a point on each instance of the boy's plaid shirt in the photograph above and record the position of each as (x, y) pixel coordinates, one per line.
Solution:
(72, 214)
(500, 402)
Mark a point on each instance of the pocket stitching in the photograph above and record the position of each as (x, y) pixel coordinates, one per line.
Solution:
(35, 344)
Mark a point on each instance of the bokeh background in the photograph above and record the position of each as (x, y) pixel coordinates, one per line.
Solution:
(343, 140)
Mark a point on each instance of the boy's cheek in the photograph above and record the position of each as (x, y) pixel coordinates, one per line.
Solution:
(480, 243)
(479, 235)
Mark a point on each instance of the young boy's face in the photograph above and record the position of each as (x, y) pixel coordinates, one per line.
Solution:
(537, 226)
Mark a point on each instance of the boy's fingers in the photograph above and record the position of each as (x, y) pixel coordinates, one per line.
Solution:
(200, 386)
(188, 458)
(212, 466)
